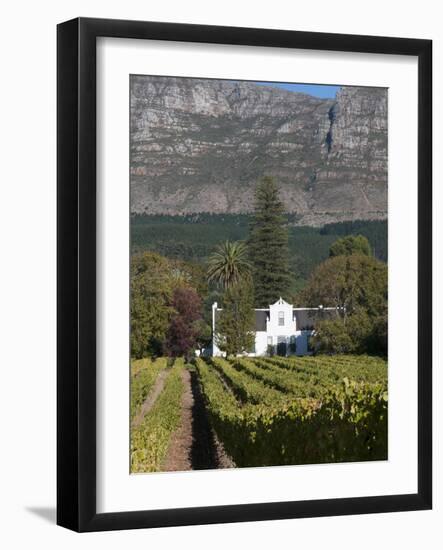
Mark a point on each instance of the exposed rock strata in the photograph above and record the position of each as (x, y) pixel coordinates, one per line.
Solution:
(201, 145)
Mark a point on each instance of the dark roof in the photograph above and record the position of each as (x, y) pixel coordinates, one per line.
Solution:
(306, 319)
(260, 318)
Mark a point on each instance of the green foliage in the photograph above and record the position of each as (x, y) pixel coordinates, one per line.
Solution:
(347, 423)
(188, 274)
(348, 283)
(358, 286)
(378, 340)
(144, 373)
(154, 282)
(314, 376)
(203, 334)
(351, 244)
(150, 440)
(190, 238)
(193, 237)
(332, 337)
(151, 291)
(269, 375)
(376, 231)
(268, 245)
(315, 371)
(236, 324)
(228, 264)
(243, 386)
(353, 334)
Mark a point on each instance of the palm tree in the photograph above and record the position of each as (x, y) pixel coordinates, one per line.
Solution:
(228, 264)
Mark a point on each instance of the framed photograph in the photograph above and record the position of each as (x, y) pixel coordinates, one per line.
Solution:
(244, 274)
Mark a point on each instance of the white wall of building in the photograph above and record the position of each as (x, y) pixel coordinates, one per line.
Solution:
(281, 321)
(261, 343)
(280, 327)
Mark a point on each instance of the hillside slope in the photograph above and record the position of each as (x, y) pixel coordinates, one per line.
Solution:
(201, 145)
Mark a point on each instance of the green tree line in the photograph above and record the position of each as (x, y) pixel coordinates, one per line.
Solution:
(194, 237)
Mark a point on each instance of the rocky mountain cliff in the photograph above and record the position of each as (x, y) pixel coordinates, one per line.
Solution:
(201, 145)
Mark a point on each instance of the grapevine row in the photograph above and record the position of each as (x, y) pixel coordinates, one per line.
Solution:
(349, 422)
(146, 373)
(150, 440)
(246, 388)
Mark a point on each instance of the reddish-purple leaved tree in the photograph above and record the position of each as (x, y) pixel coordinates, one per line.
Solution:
(182, 334)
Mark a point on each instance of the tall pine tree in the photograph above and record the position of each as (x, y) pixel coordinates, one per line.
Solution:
(268, 245)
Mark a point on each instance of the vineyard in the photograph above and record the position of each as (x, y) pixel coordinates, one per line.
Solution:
(258, 411)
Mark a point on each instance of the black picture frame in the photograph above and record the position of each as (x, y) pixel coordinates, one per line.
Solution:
(76, 266)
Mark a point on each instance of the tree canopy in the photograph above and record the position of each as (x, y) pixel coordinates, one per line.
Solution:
(351, 244)
(236, 324)
(183, 331)
(268, 245)
(358, 286)
(151, 291)
(228, 264)
(348, 282)
(164, 292)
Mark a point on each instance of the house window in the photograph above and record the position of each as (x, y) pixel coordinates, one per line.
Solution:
(281, 318)
(269, 340)
(293, 344)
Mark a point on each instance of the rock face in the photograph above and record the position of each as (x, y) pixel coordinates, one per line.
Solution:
(201, 146)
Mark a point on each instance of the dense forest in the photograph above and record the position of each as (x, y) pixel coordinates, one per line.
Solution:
(194, 237)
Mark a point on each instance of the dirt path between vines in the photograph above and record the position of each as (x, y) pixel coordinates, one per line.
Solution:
(194, 446)
(151, 398)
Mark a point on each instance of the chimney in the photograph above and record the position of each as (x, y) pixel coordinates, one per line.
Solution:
(214, 308)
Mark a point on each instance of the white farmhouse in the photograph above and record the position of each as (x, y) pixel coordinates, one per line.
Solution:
(282, 328)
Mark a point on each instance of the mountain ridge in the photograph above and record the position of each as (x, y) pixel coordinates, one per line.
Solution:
(201, 145)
